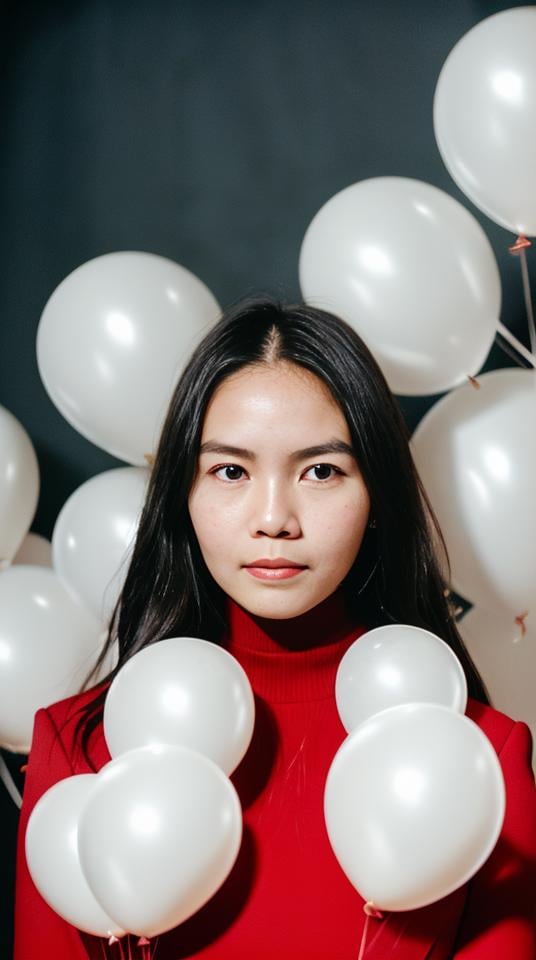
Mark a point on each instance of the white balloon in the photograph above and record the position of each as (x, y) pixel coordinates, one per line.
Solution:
(34, 551)
(112, 342)
(504, 652)
(182, 691)
(476, 453)
(109, 663)
(47, 643)
(396, 664)
(89, 674)
(159, 836)
(489, 144)
(93, 535)
(51, 845)
(414, 804)
(19, 485)
(413, 272)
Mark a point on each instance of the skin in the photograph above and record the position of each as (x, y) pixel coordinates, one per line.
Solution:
(274, 504)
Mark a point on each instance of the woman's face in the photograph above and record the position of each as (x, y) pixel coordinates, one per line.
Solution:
(277, 481)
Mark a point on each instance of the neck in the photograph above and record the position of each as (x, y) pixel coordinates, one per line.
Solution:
(296, 658)
(321, 626)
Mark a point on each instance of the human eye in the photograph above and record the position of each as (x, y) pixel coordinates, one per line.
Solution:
(229, 472)
(323, 472)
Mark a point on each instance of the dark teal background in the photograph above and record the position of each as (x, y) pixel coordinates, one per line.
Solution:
(208, 132)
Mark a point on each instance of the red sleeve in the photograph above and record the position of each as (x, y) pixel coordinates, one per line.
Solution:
(39, 931)
(499, 920)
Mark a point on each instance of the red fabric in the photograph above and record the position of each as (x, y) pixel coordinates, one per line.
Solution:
(287, 897)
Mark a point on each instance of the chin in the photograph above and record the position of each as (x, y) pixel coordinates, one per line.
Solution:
(278, 608)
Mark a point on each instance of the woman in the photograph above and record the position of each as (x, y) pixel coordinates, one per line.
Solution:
(284, 517)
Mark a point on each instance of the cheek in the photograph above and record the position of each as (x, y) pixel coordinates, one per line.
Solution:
(343, 528)
(200, 518)
(212, 523)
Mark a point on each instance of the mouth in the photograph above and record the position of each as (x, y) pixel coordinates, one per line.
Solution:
(278, 569)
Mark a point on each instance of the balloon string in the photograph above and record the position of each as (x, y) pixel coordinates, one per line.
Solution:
(528, 298)
(522, 350)
(520, 247)
(511, 353)
(364, 938)
(9, 783)
(370, 911)
(146, 948)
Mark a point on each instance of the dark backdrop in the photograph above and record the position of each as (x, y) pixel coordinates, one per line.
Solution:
(210, 132)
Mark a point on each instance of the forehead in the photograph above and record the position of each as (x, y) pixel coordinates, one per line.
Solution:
(279, 397)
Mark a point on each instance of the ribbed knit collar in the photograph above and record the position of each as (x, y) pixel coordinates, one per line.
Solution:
(292, 660)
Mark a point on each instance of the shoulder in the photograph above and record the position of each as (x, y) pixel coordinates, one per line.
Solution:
(68, 710)
(499, 919)
(513, 742)
(496, 725)
(512, 739)
(63, 717)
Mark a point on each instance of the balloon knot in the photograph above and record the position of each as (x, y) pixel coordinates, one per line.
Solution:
(112, 940)
(520, 620)
(143, 942)
(521, 244)
(24, 768)
(372, 911)
(473, 381)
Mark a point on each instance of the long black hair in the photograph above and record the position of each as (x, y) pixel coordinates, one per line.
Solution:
(402, 561)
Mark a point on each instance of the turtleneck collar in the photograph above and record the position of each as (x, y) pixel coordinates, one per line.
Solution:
(296, 659)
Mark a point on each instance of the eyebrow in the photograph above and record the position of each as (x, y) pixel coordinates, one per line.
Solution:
(332, 446)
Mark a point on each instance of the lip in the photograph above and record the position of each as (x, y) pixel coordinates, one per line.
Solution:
(274, 564)
(274, 573)
(278, 569)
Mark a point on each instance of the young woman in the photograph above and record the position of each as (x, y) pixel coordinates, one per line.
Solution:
(285, 517)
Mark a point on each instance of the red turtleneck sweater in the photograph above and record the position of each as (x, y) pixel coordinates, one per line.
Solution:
(286, 897)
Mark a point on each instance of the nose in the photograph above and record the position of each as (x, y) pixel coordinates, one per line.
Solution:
(274, 513)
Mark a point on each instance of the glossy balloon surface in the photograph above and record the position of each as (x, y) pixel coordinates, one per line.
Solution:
(475, 450)
(51, 845)
(19, 485)
(484, 110)
(414, 804)
(94, 533)
(112, 342)
(182, 691)
(413, 272)
(48, 643)
(159, 836)
(397, 664)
